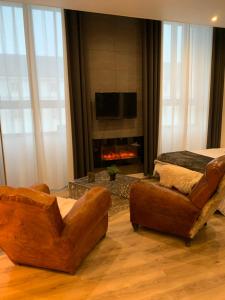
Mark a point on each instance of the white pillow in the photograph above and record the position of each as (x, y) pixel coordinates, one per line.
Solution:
(178, 177)
(65, 205)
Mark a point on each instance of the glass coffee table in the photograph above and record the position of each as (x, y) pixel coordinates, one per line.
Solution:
(119, 188)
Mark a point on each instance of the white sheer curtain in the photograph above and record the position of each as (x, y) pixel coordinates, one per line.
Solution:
(32, 96)
(186, 71)
(15, 99)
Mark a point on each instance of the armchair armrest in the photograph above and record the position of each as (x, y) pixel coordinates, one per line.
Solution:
(42, 187)
(85, 213)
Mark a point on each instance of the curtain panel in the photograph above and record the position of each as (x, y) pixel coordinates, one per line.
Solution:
(217, 88)
(184, 104)
(2, 162)
(151, 59)
(80, 105)
(32, 95)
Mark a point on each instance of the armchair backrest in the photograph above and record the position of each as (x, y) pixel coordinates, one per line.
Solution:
(26, 214)
(209, 182)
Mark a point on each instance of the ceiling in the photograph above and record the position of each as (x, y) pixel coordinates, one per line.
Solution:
(187, 11)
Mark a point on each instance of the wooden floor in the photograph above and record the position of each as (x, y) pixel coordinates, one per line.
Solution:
(128, 265)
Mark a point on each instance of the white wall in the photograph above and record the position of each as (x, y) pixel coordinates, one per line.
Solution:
(187, 11)
(2, 169)
(113, 55)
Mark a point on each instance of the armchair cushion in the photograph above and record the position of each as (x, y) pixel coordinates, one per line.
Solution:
(65, 205)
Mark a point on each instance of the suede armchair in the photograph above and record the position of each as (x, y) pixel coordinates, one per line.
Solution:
(32, 231)
(163, 209)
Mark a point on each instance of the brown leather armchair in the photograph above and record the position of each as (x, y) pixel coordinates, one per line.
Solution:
(167, 210)
(32, 231)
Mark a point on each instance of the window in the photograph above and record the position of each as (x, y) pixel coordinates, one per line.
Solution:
(185, 88)
(32, 95)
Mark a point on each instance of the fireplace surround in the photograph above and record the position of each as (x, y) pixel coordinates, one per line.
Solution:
(119, 151)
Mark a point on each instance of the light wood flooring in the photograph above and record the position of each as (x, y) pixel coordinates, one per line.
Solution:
(129, 265)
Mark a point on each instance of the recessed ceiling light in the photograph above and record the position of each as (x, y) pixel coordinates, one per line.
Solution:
(214, 18)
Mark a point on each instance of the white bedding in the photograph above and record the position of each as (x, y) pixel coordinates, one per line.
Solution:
(214, 152)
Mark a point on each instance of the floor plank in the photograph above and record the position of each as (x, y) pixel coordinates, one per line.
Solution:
(143, 265)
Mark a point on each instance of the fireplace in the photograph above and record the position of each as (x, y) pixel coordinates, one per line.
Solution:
(119, 151)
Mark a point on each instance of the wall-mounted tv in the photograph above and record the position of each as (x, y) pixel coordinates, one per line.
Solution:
(116, 105)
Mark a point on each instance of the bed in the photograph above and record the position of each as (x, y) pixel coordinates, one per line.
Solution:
(194, 161)
(214, 153)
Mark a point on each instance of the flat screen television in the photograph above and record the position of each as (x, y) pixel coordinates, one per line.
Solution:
(116, 105)
(129, 101)
(107, 106)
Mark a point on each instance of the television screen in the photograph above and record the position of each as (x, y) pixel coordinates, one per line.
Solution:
(107, 105)
(129, 105)
(116, 105)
